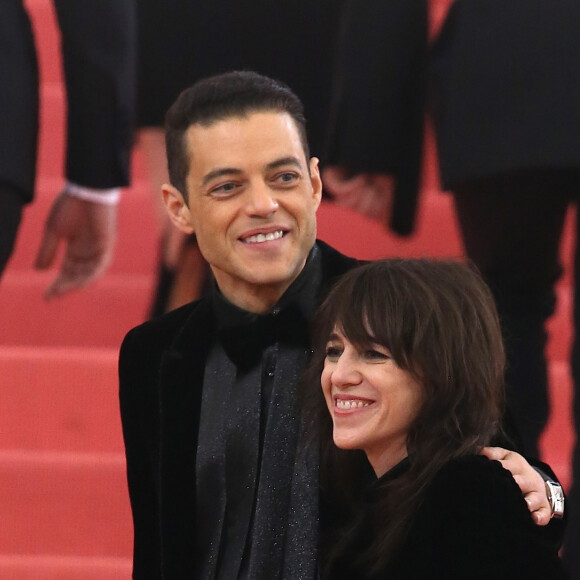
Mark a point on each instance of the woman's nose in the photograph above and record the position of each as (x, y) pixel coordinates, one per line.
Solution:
(345, 371)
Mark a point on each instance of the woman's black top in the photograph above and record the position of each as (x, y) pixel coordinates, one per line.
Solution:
(473, 523)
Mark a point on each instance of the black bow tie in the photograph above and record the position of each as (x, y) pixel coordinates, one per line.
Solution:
(245, 343)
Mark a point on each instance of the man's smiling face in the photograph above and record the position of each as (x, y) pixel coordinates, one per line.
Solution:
(252, 201)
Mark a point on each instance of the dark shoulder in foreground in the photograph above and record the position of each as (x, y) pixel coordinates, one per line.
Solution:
(167, 323)
(474, 524)
(168, 329)
(144, 345)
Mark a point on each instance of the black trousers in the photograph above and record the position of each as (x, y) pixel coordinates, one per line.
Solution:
(11, 204)
(18, 121)
(18, 99)
(512, 227)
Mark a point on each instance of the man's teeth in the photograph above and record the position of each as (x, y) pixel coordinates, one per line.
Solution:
(351, 404)
(264, 237)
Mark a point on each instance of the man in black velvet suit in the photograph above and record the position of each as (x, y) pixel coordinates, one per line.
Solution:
(98, 47)
(219, 485)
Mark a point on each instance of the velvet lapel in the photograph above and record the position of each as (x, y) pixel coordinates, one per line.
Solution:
(181, 380)
(334, 265)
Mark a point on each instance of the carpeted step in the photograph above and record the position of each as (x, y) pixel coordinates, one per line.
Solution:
(65, 504)
(59, 400)
(51, 136)
(368, 239)
(98, 316)
(47, 39)
(559, 327)
(26, 567)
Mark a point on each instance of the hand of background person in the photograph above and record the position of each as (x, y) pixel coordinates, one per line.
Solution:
(528, 479)
(369, 194)
(88, 230)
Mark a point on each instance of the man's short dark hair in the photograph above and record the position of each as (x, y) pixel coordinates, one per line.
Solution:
(220, 97)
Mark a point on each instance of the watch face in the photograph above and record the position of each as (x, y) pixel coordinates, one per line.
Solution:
(556, 498)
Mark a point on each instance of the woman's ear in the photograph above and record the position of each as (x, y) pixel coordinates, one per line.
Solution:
(177, 208)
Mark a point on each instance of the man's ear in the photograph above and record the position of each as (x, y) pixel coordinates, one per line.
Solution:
(316, 181)
(176, 208)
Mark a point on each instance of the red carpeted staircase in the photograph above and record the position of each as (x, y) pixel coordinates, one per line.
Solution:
(64, 509)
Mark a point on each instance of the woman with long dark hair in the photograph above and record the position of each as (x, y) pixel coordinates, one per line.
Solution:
(411, 361)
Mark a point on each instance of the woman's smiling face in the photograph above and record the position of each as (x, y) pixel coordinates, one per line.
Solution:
(372, 400)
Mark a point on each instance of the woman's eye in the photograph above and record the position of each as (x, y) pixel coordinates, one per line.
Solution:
(333, 352)
(377, 355)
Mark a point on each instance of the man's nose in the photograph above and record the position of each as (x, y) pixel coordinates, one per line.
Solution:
(261, 201)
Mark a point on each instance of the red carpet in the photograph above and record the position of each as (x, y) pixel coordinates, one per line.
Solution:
(64, 506)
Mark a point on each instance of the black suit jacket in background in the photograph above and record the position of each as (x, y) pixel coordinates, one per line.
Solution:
(182, 41)
(502, 81)
(376, 123)
(99, 49)
(505, 88)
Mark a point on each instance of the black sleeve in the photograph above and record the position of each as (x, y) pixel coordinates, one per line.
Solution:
(379, 93)
(18, 100)
(99, 53)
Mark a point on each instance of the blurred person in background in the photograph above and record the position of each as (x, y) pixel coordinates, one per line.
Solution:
(98, 48)
(374, 144)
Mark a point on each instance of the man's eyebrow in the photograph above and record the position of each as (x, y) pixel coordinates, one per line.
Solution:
(290, 160)
(220, 172)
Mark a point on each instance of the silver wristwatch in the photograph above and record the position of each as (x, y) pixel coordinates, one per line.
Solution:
(556, 498)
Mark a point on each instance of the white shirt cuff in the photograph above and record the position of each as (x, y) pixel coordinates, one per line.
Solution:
(103, 196)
